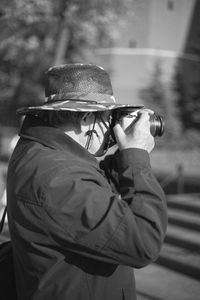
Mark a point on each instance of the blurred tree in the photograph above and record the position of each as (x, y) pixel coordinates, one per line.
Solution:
(154, 94)
(187, 75)
(186, 86)
(37, 34)
(158, 95)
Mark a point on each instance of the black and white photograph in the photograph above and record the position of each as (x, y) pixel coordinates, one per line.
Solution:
(100, 150)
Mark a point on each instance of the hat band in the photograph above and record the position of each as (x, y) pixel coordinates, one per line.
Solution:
(98, 97)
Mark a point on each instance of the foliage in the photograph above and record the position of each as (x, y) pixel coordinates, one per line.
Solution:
(187, 76)
(187, 89)
(37, 34)
(171, 101)
(154, 93)
(157, 95)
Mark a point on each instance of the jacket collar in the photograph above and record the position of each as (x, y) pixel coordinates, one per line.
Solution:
(37, 130)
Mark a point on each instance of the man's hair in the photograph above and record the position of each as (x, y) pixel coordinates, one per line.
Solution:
(59, 118)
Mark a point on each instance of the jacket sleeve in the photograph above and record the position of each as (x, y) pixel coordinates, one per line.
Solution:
(85, 216)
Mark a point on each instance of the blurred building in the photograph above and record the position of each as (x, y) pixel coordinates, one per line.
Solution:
(154, 34)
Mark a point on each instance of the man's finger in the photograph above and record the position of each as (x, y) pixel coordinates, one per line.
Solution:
(143, 116)
(119, 132)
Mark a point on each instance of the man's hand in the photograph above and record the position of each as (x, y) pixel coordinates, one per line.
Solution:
(135, 134)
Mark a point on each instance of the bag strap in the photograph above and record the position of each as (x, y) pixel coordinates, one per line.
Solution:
(3, 219)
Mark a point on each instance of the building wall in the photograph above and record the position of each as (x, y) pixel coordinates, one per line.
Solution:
(134, 32)
(155, 32)
(168, 25)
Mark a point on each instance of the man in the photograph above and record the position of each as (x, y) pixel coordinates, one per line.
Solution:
(79, 226)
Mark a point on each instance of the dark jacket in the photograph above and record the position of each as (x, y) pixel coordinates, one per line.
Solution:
(78, 229)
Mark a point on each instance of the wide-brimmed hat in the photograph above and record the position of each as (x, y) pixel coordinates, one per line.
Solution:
(77, 87)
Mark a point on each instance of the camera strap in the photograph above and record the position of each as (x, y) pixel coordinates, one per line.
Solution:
(3, 219)
(110, 136)
(89, 134)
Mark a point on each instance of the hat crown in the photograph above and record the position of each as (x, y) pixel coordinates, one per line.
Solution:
(77, 88)
(77, 78)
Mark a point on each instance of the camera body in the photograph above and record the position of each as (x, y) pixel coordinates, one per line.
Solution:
(156, 121)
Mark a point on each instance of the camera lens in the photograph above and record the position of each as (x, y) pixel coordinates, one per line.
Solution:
(157, 125)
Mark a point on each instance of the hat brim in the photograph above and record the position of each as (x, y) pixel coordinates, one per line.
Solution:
(74, 106)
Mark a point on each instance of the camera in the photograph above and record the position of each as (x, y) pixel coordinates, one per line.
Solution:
(156, 121)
